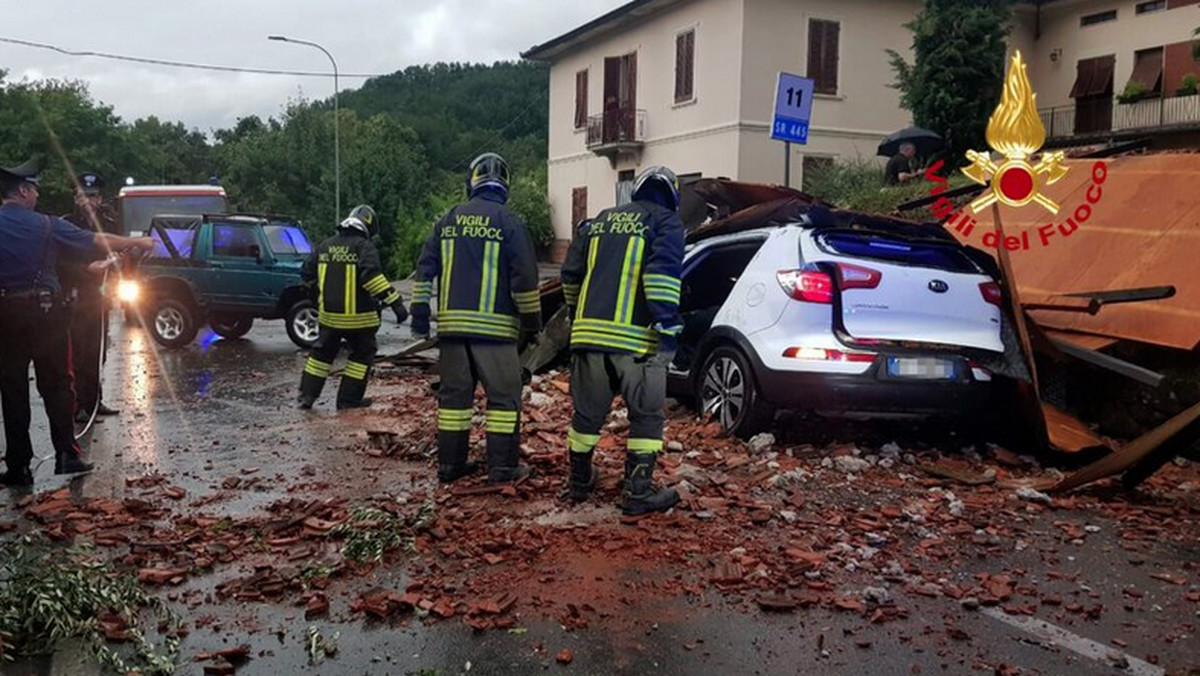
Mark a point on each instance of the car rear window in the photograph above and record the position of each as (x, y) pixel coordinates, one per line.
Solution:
(875, 246)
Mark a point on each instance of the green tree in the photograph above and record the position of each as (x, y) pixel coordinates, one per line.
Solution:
(955, 79)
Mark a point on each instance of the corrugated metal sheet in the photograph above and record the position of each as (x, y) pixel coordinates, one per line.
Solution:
(1145, 231)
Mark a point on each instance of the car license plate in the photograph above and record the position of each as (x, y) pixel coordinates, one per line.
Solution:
(920, 368)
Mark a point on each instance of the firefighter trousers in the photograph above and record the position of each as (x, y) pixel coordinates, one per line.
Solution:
(362, 345)
(596, 377)
(497, 365)
(30, 334)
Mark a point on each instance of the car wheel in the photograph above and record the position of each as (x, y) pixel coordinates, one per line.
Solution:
(726, 390)
(174, 322)
(231, 325)
(302, 325)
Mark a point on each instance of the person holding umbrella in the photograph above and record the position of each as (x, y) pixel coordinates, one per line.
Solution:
(902, 147)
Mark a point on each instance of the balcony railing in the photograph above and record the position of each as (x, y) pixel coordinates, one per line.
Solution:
(1144, 115)
(616, 130)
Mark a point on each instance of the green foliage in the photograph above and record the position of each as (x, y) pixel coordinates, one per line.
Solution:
(50, 595)
(955, 80)
(528, 198)
(369, 534)
(1190, 84)
(319, 647)
(1134, 91)
(858, 185)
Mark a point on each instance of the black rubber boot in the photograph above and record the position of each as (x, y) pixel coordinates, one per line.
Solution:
(310, 390)
(583, 479)
(505, 475)
(361, 403)
(70, 464)
(17, 478)
(450, 473)
(641, 494)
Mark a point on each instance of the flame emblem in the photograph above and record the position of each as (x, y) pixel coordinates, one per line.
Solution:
(1016, 132)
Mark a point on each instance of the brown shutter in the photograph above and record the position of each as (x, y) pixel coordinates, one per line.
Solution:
(680, 50)
(581, 102)
(689, 63)
(1102, 85)
(823, 39)
(1085, 72)
(829, 63)
(1148, 69)
(578, 206)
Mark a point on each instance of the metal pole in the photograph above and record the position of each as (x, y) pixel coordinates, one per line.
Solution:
(787, 164)
(337, 145)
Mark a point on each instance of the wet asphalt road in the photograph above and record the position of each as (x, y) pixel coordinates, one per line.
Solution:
(220, 408)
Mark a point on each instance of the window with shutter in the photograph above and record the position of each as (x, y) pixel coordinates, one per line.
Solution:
(578, 206)
(823, 54)
(581, 102)
(685, 66)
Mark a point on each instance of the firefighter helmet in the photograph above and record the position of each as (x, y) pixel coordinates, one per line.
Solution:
(363, 219)
(489, 170)
(659, 185)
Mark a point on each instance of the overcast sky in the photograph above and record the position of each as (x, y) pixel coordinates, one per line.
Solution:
(365, 36)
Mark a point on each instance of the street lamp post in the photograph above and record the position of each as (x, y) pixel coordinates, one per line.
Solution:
(337, 160)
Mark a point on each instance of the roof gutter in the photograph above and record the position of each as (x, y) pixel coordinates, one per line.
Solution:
(548, 51)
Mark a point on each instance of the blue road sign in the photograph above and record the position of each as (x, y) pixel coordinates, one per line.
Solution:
(793, 108)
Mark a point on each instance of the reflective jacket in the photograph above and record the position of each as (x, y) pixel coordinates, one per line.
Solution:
(350, 281)
(484, 262)
(621, 276)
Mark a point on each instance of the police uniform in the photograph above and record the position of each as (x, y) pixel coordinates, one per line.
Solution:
(621, 282)
(352, 288)
(34, 327)
(484, 262)
(89, 307)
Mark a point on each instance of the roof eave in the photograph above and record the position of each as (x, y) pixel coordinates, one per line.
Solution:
(629, 12)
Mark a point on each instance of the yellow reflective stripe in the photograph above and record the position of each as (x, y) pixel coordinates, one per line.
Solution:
(317, 368)
(472, 329)
(338, 320)
(454, 419)
(662, 296)
(642, 446)
(489, 277)
(631, 270)
(528, 302)
(447, 273)
(377, 285)
(391, 297)
(593, 247)
(321, 267)
(665, 281)
(502, 422)
(351, 289)
(490, 318)
(580, 442)
(571, 293)
(422, 292)
(608, 341)
(622, 330)
(356, 370)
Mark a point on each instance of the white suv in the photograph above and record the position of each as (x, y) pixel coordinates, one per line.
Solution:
(876, 319)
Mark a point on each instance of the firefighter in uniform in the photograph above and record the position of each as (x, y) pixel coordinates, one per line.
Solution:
(35, 322)
(89, 307)
(621, 282)
(351, 287)
(486, 268)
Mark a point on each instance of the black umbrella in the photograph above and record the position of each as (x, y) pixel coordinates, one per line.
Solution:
(925, 141)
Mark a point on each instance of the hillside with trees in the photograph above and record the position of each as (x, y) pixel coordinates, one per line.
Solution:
(406, 140)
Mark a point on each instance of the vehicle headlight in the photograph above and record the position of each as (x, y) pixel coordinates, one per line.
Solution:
(128, 290)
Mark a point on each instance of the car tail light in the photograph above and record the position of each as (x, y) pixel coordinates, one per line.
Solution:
(991, 293)
(858, 277)
(822, 354)
(807, 284)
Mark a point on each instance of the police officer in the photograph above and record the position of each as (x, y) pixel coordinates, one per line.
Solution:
(621, 282)
(34, 322)
(483, 259)
(352, 288)
(89, 307)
